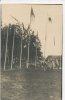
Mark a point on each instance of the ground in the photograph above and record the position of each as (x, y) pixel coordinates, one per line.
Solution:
(30, 85)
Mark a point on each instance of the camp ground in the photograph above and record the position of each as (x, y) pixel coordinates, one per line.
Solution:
(31, 52)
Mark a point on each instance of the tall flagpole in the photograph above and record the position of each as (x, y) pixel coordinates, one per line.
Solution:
(12, 49)
(29, 45)
(50, 20)
(6, 50)
(45, 37)
(31, 14)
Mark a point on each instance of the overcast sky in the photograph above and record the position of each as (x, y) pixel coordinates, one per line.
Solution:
(40, 23)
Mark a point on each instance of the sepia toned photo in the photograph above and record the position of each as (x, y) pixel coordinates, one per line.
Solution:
(31, 52)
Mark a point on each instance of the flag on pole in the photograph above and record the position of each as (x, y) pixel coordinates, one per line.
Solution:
(50, 20)
(32, 15)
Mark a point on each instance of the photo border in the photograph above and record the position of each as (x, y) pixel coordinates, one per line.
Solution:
(48, 2)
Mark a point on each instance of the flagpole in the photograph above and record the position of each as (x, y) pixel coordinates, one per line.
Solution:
(6, 50)
(31, 14)
(45, 37)
(12, 49)
(29, 45)
(49, 19)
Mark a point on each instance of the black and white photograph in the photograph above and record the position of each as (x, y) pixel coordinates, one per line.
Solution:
(31, 51)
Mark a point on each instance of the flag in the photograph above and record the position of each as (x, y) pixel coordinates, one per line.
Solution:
(50, 20)
(32, 15)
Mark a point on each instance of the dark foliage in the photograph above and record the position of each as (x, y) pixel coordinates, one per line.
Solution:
(20, 33)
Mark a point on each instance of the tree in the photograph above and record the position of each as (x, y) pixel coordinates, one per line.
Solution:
(17, 42)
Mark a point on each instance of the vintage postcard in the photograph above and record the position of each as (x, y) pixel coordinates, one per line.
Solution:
(31, 52)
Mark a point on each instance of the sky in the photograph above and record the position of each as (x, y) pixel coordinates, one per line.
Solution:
(52, 30)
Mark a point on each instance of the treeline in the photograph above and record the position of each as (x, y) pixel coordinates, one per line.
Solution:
(19, 33)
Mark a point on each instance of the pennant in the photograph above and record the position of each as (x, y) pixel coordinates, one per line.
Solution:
(50, 20)
(32, 15)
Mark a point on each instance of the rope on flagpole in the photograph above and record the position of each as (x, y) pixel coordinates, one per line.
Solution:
(46, 35)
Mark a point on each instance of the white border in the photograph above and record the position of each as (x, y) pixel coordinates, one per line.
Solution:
(47, 2)
(32, 1)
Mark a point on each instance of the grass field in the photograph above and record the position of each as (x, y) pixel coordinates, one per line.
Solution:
(30, 85)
